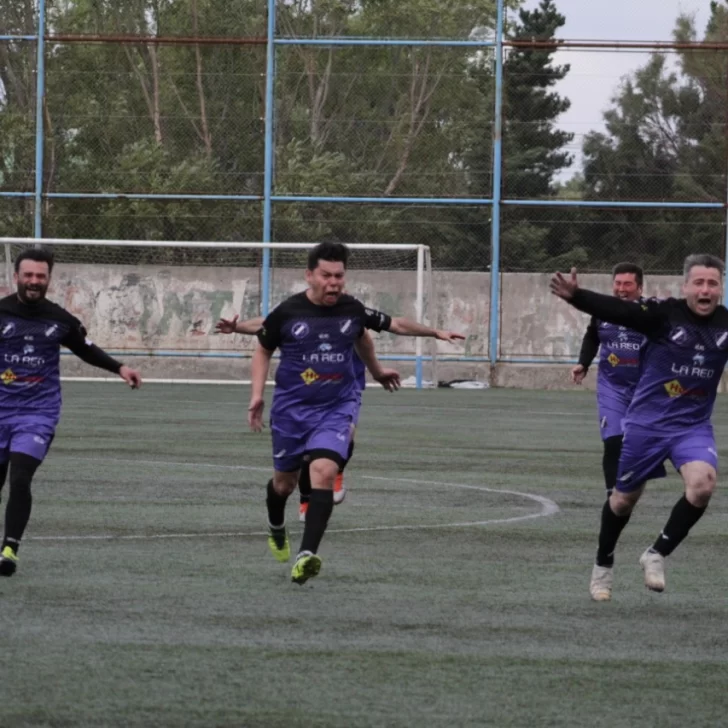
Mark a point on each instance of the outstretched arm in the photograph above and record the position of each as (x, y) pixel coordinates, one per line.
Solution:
(646, 317)
(94, 355)
(233, 326)
(388, 378)
(406, 327)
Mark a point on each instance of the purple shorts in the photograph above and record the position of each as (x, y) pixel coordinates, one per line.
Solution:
(29, 438)
(643, 456)
(355, 416)
(612, 409)
(329, 437)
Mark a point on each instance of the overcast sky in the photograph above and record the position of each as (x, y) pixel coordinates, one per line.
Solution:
(595, 76)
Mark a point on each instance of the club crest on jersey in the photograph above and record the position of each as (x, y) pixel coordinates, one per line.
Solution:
(722, 340)
(52, 330)
(299, 329)
(344, 326)
(8, 329)
(678, 335)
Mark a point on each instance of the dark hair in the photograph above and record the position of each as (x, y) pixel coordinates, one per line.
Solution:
(629, 268)
(705, 260)
(333, 252)
(40, 255)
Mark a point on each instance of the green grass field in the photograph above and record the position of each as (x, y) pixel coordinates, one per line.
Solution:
(453, 592)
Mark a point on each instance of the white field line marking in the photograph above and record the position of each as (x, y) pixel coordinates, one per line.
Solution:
(548, 508)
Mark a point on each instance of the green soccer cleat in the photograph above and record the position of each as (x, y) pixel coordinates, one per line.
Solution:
(307, 566)
(8, 561)
(278, 543)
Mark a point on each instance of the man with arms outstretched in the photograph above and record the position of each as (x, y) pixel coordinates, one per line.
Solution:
(315, 398)
(669, 416)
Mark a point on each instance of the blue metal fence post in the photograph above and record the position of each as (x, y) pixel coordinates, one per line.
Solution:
(268, 162)
(39, 132)
(497, 174)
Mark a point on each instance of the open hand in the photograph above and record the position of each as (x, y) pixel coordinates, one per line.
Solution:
(389, 379)
(450, 336)
(564, 287)
(226, 326)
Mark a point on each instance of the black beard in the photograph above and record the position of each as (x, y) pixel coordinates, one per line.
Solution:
(24, 298)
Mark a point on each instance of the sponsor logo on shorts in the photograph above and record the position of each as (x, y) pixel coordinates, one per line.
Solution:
(39, 440)
(300, 329)
(279, 454)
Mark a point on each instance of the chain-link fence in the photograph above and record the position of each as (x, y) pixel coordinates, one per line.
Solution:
(367, 122)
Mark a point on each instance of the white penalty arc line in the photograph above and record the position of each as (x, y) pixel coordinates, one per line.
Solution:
(548, 508)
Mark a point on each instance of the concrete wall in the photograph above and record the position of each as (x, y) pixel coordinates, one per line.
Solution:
(158, 309)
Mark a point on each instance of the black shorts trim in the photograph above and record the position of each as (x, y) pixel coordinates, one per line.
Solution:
(323, 454)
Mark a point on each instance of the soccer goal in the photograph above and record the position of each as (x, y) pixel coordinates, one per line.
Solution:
(160, 301)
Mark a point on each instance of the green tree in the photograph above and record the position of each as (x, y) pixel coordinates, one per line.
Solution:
(533, 146)
(664, 140)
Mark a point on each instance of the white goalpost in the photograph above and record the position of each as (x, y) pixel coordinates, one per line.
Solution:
(158, 301)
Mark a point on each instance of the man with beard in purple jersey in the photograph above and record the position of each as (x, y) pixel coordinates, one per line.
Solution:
(32, 331)
(669, 416)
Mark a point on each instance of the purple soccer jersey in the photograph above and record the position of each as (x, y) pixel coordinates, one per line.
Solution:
(620, 352)
(31, 336)
(316, 391)
(681, 368)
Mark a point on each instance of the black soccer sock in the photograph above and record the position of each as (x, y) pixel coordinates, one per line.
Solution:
(276, 506)
(317, 516)
(348, 457)
(611, 528)
(610, 460)
(3, 474)
(683, 517)
(304, 482)
(20, 500)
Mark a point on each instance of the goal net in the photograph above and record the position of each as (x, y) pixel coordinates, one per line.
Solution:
(155, 304)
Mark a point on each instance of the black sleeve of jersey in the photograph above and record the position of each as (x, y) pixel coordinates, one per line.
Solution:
(76, 341)
(589, 344)
(376, 320)
(269, 334)
(647, 317)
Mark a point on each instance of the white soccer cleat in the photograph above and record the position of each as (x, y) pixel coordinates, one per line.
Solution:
(600, 587)
(653, 564)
